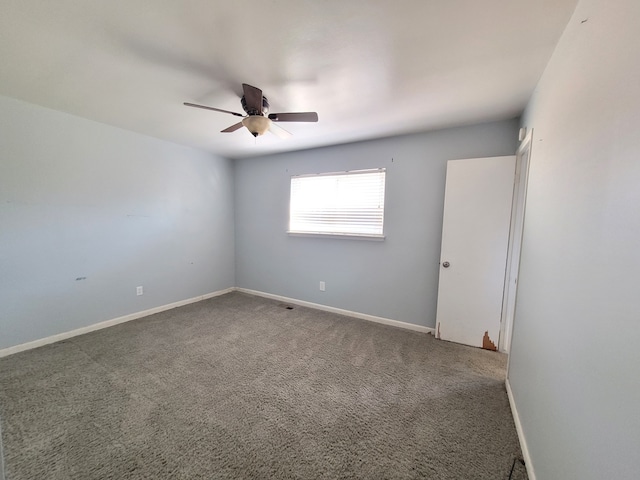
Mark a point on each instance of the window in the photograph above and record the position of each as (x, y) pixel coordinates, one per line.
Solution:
(345, 203)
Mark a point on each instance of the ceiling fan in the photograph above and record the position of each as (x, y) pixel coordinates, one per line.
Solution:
(258, 119)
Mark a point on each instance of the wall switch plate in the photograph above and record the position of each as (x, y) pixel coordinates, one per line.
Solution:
(322, 287)
(139, 291)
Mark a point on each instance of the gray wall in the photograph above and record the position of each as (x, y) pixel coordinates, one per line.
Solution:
(83, 199)
(396, 278)
(575, 356)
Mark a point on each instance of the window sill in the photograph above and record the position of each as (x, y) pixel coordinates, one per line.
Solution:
(343, 236)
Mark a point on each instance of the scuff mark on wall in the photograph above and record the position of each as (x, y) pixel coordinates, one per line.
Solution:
(438, 334)
(487, 344)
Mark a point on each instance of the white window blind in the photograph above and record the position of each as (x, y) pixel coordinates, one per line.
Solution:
(345, 203)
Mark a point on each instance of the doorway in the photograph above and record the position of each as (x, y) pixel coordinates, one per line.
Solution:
(515, 242)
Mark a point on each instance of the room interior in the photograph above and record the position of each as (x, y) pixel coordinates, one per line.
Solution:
(108, 182)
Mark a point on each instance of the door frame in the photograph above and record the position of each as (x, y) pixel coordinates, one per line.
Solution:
(523, 155)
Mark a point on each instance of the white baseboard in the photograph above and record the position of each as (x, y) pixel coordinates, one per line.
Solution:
(348, 313)
(133, 316)
(523, 441)
(107, 323)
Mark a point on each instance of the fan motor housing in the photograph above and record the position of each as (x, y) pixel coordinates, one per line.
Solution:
(265, 106)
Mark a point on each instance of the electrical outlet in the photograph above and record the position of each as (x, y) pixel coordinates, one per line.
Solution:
(139, 291)
(322, 287)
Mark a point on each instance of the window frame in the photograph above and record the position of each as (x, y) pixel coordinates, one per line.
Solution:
(338, 235)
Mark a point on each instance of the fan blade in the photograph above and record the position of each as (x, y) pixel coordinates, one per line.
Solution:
(294, 117)
(212, 108)
(232, 128)
(278, 131)
(253, 98)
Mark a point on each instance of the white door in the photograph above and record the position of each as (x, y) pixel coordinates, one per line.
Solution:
(475, 238)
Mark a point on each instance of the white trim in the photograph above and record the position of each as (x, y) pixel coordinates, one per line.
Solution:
(342, 236)
(326, 308)
(133, 316)
(519, 200)
(523, 442)
(107, 323)
(347, 172)
(2, 474)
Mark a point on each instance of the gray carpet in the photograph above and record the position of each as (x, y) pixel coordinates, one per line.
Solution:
(240, 387)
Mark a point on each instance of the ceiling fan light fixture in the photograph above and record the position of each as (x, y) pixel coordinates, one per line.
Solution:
(258, 120)
(256, 124)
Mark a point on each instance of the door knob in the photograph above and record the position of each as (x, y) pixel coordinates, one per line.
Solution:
(445, 264)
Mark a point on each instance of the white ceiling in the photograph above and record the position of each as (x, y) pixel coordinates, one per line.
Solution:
(370, 68)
